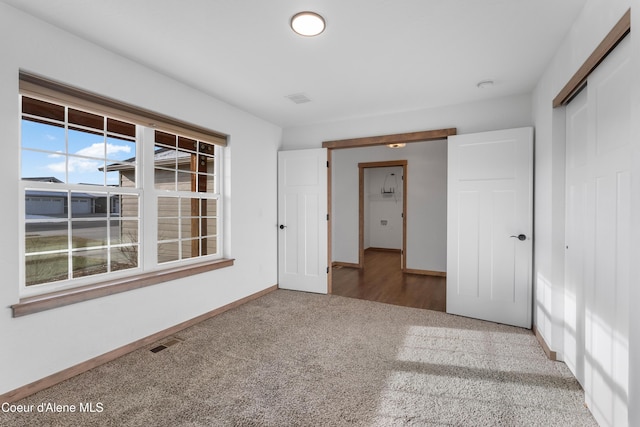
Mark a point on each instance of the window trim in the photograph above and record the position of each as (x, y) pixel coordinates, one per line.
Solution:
(48, 301)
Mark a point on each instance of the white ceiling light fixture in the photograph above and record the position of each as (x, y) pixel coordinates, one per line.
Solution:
(308, 24)
(397, 145)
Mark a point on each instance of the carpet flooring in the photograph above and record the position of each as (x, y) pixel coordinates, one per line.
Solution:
(298, 359)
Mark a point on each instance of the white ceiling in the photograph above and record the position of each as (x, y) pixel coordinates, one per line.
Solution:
(375, 57)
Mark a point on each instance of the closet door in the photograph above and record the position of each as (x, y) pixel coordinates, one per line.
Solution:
(598, 238)
(577, 180)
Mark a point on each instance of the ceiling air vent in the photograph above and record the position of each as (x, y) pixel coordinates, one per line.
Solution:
(298, 98)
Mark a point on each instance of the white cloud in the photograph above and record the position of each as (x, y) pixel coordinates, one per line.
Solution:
(97, 150)
(77, 164)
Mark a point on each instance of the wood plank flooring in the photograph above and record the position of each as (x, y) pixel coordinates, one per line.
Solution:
(382, 280)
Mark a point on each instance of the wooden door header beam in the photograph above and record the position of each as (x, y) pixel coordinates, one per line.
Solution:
(427, 135)
(579, 79)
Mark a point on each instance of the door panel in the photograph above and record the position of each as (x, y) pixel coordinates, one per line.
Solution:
(302, 210)
(490, 181)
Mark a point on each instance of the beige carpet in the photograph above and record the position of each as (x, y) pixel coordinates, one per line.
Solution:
(297, 359)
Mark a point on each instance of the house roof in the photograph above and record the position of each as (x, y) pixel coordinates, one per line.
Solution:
(162, 156)
(61, 194)
(43, 179)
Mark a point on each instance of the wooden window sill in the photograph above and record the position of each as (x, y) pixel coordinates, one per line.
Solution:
(57, 299)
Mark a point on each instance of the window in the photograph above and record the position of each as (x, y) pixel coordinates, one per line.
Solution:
(86, 182)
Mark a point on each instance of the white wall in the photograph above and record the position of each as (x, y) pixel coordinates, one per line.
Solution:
(595, 21)
(383, 213)
(41, 344)
(493, 114)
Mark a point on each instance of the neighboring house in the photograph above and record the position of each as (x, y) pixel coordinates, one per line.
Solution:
(173, 172)
(55, 203)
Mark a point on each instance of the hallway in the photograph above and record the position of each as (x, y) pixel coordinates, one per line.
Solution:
(382, 280)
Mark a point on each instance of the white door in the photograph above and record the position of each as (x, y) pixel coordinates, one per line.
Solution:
(489, 226)
(576, 214)
(606, 232)
(302, 220)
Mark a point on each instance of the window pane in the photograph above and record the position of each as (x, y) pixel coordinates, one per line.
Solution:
(165, 179)
(168, 252)
(124, 257)
(121, 175)
(88, 263)
(86, 119)
(40, 108)
(189, 207)
(86, 171)
(86, 144)
(190, 248)
(46, 268)
(123, 232)
(207, 149)
(211, 243)
(85, 205)
(211, 207)
(184, 181)
(164, 138)
(190, 227)
(41, 204)
(121, 150)
(45, 236)
(122, 128)
(43, 166)
(209, 226)
(128, 205)
(42, 136)
(85, 234)
(203, 184)
(187, 144)
(168, 229)
(209, 164)
(168, 207)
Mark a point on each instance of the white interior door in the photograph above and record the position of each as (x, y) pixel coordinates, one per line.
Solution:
(489, 226)
(302, 220)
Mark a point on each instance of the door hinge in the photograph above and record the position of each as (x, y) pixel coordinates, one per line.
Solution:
(327, 163)
(327, 217)
(327, 270)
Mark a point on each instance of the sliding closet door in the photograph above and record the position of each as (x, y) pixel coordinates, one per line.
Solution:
(598, 237)
(576, 275)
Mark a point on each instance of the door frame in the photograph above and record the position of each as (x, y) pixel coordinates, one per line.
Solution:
(361, 221)
(370, 141)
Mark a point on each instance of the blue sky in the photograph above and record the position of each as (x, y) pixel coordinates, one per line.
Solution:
(95, 152)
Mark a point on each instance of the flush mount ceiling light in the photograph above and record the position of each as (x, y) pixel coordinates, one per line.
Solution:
(307, 24)
(396, 145)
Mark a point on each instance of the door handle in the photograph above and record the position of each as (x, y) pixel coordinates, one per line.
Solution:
(282, 227)
(520, 237)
